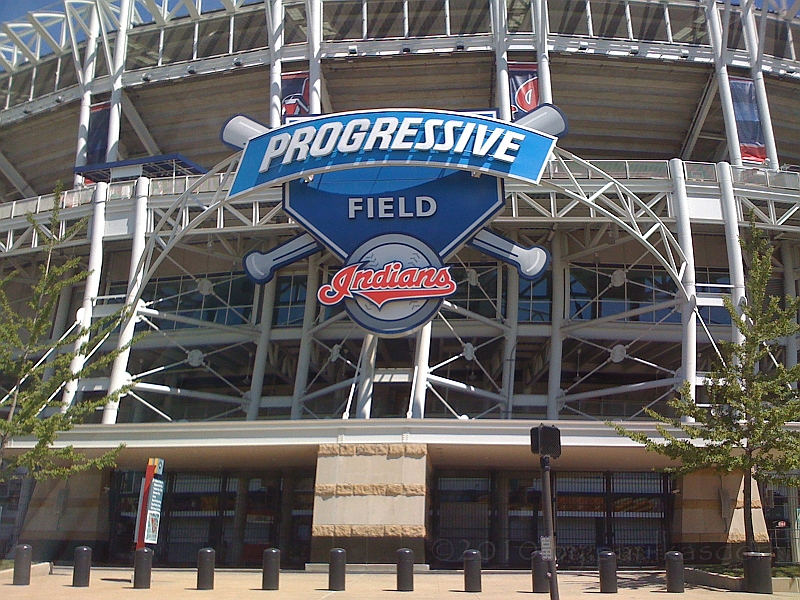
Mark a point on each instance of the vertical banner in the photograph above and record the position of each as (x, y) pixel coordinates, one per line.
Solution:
(523, 79)
(294, 92)
(98, 134)
(748, 121)
(151, 496)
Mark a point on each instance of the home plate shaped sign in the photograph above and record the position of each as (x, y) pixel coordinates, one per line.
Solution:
(393, 194)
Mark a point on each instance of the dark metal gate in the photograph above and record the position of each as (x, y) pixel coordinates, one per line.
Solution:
(239, 515)
(500, 514)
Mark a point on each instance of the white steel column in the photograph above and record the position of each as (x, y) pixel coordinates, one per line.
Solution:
(304, 355)
(274, 10)
(556, 319)
(789, 290)
(680, 204)
(542, 25)
(314, 20)
(510, 342)
(119, 370)
(262, 350)
(718, 46)
(87, 81)
(755, 50)
(730, 216)
(419, 387)
(500, 30)
(84, 317)
(118, 68)
(366, 376)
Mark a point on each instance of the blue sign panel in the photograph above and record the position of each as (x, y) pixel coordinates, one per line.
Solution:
(442, 207)
(393, 137)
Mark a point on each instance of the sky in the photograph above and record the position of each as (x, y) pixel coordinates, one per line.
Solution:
(12, 10)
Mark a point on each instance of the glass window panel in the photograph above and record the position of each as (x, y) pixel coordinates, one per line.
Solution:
(178, 43)
(735, 34)
(568, 17)
(777, 39)
(45, 77)
(647, 21)
(688, 25)
(426, 18)
(21, 87)
(142, 50)
(250, 31)
(534, 300)
(294, 23)
(385, 19)
(519, 16)
(213, 37)
(469, 16)
(341, 20)
(636, 483)
(67, 74)
(580, 482)
(608, 19)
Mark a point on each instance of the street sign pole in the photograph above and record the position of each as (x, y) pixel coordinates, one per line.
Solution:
(546, 442)
(547, 509)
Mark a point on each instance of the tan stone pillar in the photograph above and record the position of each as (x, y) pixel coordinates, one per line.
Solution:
(708, 520)
(370, 500)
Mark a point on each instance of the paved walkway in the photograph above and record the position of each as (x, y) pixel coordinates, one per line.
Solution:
(115, 584)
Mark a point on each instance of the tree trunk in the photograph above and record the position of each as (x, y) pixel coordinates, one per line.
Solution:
(749, 532)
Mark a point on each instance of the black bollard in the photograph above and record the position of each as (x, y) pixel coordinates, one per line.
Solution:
(540, 571)
(271, 569)
(405, 570)
(472, 571)
(757, 572)
(142, 568)
(206, 558)
(22, 564)
(336, 569)
(607, 562)
(82, 566)
(674, 562)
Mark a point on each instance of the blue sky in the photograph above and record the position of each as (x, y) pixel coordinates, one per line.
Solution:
(12, 10)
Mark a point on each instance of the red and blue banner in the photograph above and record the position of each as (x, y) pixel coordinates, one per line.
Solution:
(294, 94)
(524, 81)
(748, 121)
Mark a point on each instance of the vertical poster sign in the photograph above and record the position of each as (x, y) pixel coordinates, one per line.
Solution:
(294, 92)
(97, 142)
(151, 496)
(524, 81)
(748, 121)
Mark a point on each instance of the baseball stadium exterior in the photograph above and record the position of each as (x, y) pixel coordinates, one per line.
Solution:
(287, 422)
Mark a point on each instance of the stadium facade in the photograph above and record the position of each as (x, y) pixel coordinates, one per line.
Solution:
(283, 422)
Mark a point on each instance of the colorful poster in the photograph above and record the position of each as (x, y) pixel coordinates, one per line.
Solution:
(294, 90)
(524, 81)
(748, 121)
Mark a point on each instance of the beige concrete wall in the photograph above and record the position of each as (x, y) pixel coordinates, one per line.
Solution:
(709, 515)
(66, 513)
(369, 499)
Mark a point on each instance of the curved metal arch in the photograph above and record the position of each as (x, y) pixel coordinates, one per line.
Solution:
(614, 201)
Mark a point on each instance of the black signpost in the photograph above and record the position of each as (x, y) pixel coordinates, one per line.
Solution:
(546, 442)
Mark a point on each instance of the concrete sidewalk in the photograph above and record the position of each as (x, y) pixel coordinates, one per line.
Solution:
(115, 584)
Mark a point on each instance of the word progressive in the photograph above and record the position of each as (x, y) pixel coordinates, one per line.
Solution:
(390, 133)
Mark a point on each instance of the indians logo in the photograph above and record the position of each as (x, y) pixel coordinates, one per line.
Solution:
(391, 284)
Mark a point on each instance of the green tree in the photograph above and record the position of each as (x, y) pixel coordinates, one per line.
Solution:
(35, 368)
(751, 396)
